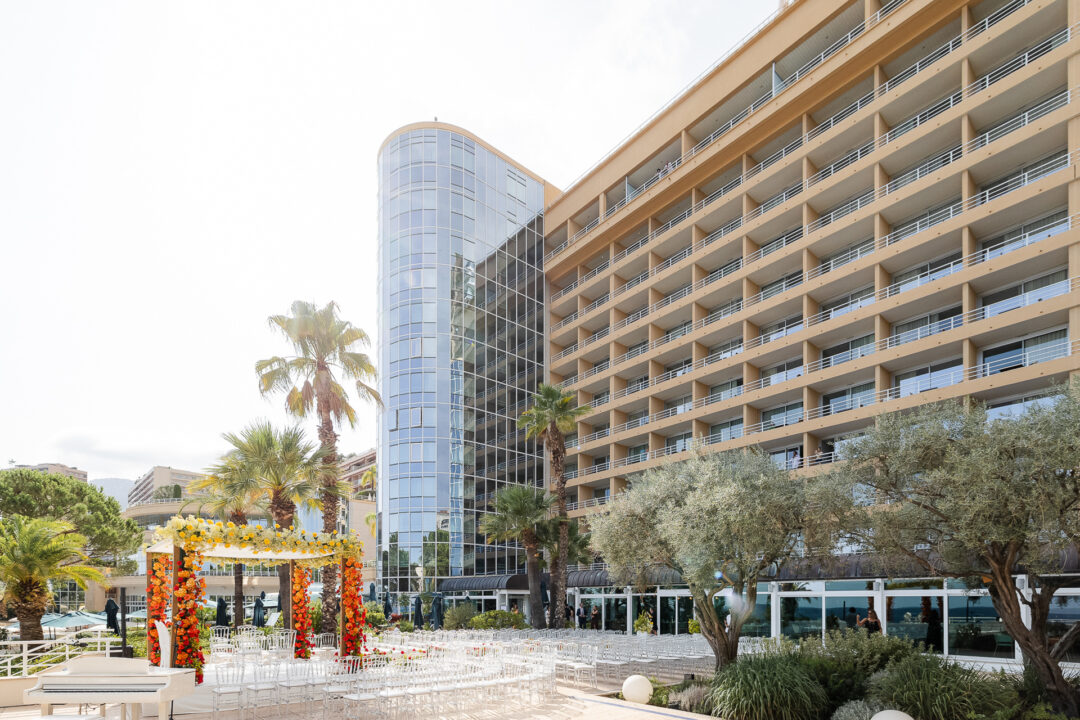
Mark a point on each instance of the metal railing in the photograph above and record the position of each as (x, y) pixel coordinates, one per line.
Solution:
(23, 658)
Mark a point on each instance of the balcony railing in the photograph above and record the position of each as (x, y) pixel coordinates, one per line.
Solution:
(1047, 353)
(891, 84)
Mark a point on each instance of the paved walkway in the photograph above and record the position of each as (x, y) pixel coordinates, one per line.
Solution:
(575, 704)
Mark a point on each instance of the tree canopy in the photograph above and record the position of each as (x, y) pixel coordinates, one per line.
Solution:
(720, 520)
(92, 513)
(951, 492)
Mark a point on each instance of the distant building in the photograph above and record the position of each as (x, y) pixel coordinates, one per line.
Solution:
(56, 469)
(353, 468)
(160, 482)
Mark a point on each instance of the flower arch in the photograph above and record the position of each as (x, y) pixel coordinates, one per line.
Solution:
(184, 543)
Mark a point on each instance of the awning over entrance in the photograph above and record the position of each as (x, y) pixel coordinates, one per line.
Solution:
(600, 578)
(476, 583)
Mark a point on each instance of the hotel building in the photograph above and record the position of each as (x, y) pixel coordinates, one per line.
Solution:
(861, 208)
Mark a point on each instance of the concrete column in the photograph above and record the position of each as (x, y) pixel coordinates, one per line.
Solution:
(686, 142)
(880, 128)
(881, 231)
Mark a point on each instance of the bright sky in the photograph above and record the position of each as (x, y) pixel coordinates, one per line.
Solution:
(173, 173)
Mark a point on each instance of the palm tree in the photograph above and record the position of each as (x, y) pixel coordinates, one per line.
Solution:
(553, 414)
(33, 554)
(367, 481)
(230, 490)
(578, 551)
(519, 510)
(324, 346)
(371, 519)
(287, 472)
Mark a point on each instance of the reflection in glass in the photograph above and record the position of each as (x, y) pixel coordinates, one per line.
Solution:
(918, 619)
(975, 628)
(800, 617)
(1064, 613)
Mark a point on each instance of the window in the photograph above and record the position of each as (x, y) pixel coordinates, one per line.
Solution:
(790, 458)
(780, 416)
(636, 349)
(782, 372)
(1025, 293)
(1015, 407)
(727, 430)
(600, 398)
(724, 350)
(1021, 353)
(849, 350)
(779, 286)
(850, 398)
(637, 453)
(925, 326)
(779, 329)
(680, 368)
(679, 405)
(847, 255)
(847, 303)
(925, 272)
(1024, 235)
(639, 383)
(928, 377)
(637, 418)
(679, 330)
(679, 443)
(725, 390)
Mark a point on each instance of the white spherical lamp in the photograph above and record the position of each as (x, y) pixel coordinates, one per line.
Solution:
(891, 715)
(637, 689)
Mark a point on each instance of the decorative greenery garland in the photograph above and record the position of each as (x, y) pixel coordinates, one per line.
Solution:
(198, 535)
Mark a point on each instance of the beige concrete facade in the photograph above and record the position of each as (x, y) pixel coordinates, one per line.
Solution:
(862, 209)
(56, 469)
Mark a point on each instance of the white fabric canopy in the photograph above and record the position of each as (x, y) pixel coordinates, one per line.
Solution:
(220, 552)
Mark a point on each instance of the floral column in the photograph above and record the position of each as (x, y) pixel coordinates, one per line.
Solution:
(353, 613)
(301, 578)
(158, 572)
(188, 593)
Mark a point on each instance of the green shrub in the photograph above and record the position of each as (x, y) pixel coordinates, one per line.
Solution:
(844, 662)
(694, 698)
(458, 616)
(857, 710)
(1042, 711)
(375, 617)
(693, 626)
(406, 626)
(767, 687)
(498, 620)
(931, 688)
(315, 613)
(643, 625)
(660, 693)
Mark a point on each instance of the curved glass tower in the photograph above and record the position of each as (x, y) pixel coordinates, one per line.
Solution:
(460, 351)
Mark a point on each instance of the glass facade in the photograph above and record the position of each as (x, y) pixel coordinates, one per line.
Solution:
(460, 352)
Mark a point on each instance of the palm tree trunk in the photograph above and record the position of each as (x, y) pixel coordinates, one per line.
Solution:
(532, 570)
(282, 510)
(330, 503)
(238, 594)
(558, 565)
(239, 518)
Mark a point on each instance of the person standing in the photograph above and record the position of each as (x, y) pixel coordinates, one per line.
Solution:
(594, 619)
(580, 617)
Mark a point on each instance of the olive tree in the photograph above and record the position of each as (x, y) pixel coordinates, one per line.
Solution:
(720, 520)
(956, 494)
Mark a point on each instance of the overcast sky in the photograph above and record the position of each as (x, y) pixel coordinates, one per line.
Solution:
(173, 173)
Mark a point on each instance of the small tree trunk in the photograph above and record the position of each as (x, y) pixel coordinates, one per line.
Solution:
(532, 570)
(712, 628)
(1032, 641)
(238, 594)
